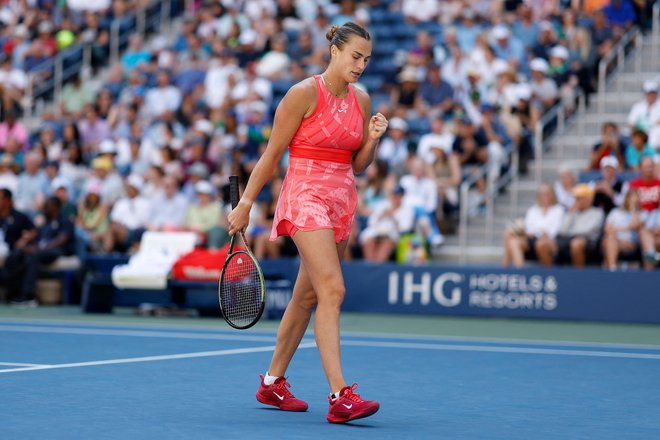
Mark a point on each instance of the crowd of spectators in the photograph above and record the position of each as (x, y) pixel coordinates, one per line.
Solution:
(462, 82)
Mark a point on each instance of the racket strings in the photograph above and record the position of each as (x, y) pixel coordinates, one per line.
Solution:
(241, 288)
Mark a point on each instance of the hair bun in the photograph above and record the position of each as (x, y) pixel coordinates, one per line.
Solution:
(331, 33)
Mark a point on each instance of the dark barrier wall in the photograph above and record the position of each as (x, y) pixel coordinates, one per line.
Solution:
(558, 293)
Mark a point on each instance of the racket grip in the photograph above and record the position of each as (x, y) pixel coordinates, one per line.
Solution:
(233, 191)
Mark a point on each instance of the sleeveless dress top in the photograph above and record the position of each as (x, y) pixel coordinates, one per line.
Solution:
(319, 191)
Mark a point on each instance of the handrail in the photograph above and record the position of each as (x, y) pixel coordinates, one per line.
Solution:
(492, 188)
(50, 75)
(655, 26)
(618, 51)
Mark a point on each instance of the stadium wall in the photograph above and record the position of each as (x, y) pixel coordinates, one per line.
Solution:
(558, 293)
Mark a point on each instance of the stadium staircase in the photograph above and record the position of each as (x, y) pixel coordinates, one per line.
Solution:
(570, 146)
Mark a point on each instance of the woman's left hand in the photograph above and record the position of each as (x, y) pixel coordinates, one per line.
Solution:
(377, 126)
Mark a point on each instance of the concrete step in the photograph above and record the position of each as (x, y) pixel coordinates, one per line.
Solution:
(474, 254)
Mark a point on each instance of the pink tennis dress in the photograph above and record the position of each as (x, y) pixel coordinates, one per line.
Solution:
(319, 188)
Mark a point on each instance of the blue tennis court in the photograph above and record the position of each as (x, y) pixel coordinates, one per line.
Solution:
(64, 380)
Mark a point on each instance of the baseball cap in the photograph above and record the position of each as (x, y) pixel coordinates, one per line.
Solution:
(135, 181)
(609, 161)
(650, 86)
(500, 31)
(559, 52)
(398, 124)
(539, 65)
(583, 190)
(204, 187)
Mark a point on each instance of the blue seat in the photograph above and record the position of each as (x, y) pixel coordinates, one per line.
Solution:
(372, 83)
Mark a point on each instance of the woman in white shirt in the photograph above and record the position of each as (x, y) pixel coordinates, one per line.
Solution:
(622, 228)
(542, 224)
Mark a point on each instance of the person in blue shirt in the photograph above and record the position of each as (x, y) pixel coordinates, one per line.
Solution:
(620, 13)
(637, 149)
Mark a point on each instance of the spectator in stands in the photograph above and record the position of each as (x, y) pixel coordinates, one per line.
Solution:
(53, 240)
(135, 54)
(420, 11)
(111, 184)
(165, 97)
(544, 89)
(580, 229)
(508, 47)
(32, 186)
(445, 170)
(169, 208)
(387, 223)
(263, 223)
(203, 217)
(470, 146)
(536, 236)
(622, 228)
(75, 96)
(13, 79)
(372, 189)
(128, 218)
(394, 149)
(649, 237)
(436, 94)
(422, 196)
(647, 185)
(8, 177)
(564, 187)
(611, 144)
(62, 189)
(276, 62)
(13, 131)
(16, 232)
(637, 149)
(645, 114)
(621, 15)
(545, 41)
(602, 35)
(406, 96)
(221, 67)
(525, 28)
(609, 189)
(439, 137)
(93, 129)
(92, 222)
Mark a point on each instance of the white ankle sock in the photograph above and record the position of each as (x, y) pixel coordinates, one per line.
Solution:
(334, 396)
(269, 380)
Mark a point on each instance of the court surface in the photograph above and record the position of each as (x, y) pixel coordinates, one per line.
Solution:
(64, 375)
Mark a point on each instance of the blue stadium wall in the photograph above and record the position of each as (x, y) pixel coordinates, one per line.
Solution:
(558, 293)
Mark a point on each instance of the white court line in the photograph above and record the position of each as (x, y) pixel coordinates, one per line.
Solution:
(502, 349)
(236, 336)
(153, 358)
(21, 364)
(136, 333)
(378, 335)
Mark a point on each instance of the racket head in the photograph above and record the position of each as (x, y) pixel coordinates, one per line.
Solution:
(242, 290)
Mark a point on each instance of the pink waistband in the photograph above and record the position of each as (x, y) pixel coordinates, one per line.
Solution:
(329, 154)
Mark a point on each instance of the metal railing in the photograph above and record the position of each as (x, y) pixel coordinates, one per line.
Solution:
(614, 60)
(47, 79)
(559, 114)
(655, 26)
(493, 187)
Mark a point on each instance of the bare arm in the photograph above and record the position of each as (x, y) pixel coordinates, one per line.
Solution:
(374, 127)
(298, 103)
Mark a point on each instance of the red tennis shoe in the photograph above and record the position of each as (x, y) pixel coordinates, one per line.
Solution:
(349, 406)
(278, 395)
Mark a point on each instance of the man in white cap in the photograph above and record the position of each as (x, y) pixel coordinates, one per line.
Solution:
(609, 190)
(394, 148)
(128, 218)
(645, 114)
(204, 216)
(544, 90)
(508, 47)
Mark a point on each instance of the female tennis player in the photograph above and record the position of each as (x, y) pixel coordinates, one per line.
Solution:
(327, 126)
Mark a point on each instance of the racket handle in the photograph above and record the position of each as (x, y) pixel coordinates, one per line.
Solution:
(233, 191)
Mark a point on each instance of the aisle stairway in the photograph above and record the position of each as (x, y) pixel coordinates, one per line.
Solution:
(571, 148)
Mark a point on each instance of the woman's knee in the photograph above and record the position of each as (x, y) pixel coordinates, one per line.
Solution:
(332, 295)
(307, 300)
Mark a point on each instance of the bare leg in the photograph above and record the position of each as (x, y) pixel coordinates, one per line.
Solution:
(319, 254)
(384, 250)
(611, 250)
(579, 251)
(369, 249)
(296, 318)
(546, 249)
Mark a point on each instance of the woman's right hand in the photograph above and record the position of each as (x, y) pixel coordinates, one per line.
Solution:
(239, 218)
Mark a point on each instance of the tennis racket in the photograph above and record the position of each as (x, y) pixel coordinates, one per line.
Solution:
(241, 291)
